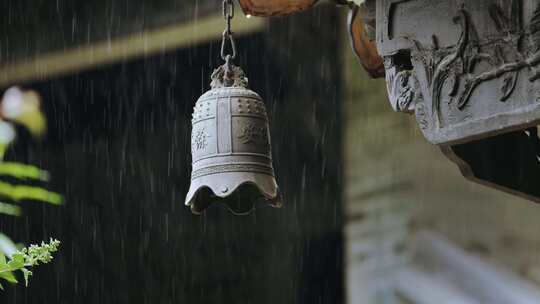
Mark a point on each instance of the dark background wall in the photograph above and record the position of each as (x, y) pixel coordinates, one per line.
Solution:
(118, 149)
(71, 23)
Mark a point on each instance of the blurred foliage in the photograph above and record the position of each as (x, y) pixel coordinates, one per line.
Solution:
(22, 171)
(9, 209)
(18, 193)
(22, 108)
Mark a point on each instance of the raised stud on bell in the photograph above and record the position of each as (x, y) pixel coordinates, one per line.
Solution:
(230, 143)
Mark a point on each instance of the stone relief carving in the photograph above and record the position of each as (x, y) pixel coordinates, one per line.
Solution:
(507, 69)
(469, 70)
(402, 86)
(466, 75)
(449, 68)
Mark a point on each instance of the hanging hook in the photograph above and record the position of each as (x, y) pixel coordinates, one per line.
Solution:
(230, 38)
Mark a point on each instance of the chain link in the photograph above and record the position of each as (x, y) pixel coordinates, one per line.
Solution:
(228, 15)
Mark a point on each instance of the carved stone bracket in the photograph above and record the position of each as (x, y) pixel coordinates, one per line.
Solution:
(470, 72)
(477, 68)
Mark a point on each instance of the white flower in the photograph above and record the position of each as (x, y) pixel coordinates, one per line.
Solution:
(12, 103)
(7, 133)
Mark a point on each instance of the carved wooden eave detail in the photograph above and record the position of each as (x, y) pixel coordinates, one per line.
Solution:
(470, 73)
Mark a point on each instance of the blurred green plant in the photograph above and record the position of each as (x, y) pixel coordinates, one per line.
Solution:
(22, 171)
(24, 109)
(9, 209)
(18, 193)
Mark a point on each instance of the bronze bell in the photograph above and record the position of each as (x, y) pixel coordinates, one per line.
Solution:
(230, 145)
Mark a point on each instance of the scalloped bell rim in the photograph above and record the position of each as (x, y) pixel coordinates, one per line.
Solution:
(270, 193)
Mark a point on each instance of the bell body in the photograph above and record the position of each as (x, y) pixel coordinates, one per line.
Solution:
(230, 144)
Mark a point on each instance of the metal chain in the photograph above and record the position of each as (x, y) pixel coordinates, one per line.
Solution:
(228, 15)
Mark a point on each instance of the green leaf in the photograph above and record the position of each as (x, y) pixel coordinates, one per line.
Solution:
(17, 261)
(8, 276)
(13, 264)
(18, 256)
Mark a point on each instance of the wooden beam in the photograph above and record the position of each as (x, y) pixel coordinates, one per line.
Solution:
(133, 46)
